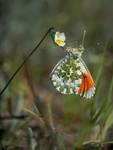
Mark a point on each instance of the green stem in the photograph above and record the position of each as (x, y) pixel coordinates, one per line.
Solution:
(25, 60)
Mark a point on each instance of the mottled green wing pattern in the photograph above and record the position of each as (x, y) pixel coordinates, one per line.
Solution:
(71, 75)
(66, 75)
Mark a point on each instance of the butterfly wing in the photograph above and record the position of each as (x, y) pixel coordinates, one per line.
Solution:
(71, 76)
(86, 87)
(66, 75)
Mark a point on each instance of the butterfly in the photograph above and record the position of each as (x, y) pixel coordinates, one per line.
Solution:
(71, 75)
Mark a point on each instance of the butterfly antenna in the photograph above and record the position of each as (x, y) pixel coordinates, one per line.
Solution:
(84, 34)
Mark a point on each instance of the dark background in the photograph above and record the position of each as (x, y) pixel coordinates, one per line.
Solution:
(22, 25)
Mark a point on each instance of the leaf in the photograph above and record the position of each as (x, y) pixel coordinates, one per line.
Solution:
(31, 141)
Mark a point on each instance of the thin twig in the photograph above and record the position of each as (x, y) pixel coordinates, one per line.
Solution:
(13, 117)
(25, 60)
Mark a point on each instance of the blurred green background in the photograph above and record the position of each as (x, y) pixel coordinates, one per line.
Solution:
(22, 25)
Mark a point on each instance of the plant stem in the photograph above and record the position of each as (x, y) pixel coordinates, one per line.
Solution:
(25, 60)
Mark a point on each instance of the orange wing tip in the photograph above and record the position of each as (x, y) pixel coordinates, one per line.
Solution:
(86, 87)
(90, 93)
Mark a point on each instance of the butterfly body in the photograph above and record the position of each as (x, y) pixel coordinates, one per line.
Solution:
(71, 75)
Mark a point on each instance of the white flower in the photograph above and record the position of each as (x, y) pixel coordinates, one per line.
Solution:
(60, 39)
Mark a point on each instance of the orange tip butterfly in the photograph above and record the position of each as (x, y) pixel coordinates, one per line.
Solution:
(71, 75)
